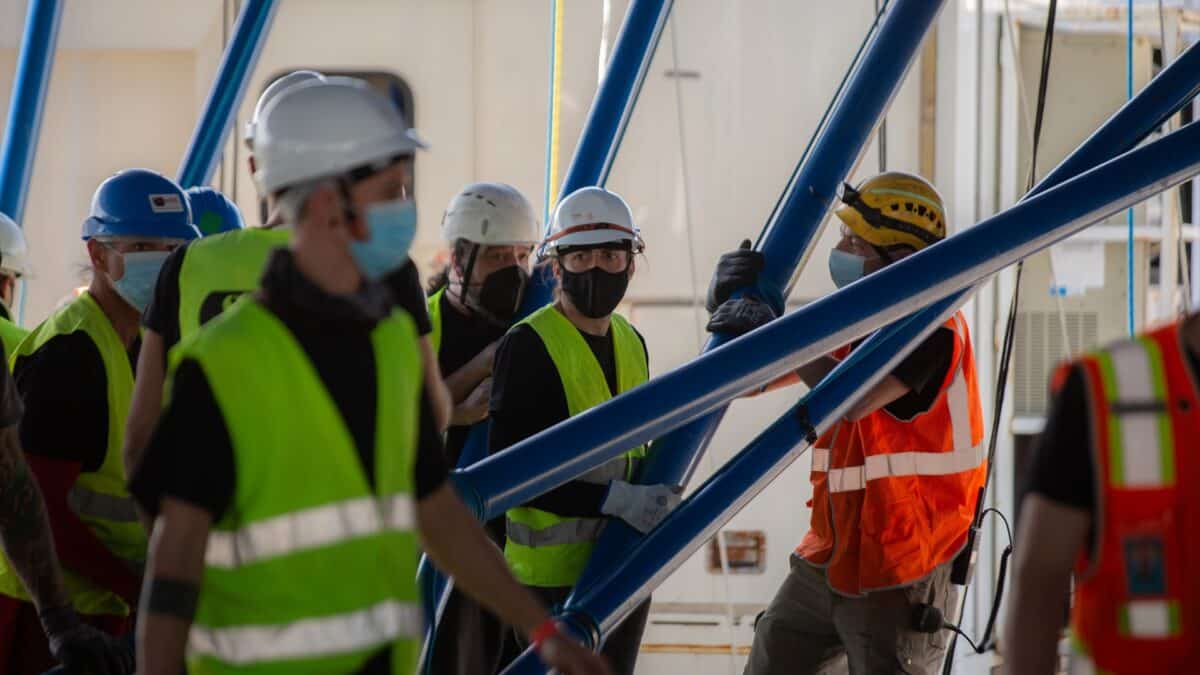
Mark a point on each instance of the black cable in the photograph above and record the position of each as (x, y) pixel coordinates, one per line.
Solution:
(1006, 360)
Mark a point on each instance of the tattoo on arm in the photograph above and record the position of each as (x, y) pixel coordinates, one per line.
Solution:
(25, 527)
(172, 597)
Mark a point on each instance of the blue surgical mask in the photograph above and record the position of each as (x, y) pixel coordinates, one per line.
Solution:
(845, 268)
(391, 228)
(136, 287)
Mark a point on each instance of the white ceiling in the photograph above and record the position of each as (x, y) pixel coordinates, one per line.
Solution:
(133, 24)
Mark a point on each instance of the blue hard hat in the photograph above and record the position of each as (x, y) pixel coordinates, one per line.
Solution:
(212, 212)
(140, 203)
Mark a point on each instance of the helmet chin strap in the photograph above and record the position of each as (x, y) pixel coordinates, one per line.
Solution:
(465, 281)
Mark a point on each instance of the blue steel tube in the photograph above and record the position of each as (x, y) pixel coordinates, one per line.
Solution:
(593, 437)
(28, 100)
(204, 150)
(923, 278)
(596, 609)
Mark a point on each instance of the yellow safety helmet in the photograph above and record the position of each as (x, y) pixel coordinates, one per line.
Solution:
(894, 209)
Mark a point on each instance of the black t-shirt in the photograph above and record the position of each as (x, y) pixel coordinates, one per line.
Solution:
(1061, 467)
(65, 379)
(162, 314)
(463, 337)
(528, 397)
(190, 455)
(923, 371)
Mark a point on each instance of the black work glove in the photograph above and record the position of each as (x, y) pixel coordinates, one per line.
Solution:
(736, 269)
(81, 649)
(740, 315)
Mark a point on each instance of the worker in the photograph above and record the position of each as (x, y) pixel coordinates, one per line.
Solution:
(894, 482)
(1107, 499)
(562, 360)
(298, 459)
(14, 255)
(75, 374)
(491, 229)
(212, 211)
(200, 280)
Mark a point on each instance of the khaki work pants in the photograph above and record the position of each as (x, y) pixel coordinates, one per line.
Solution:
(810, 629)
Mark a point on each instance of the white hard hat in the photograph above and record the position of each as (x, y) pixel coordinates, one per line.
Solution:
(274, 89)
(327, 128)
(491, 214)
(592, 215)
(14, 253)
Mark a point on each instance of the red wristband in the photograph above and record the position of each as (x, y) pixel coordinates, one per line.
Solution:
(548, 629)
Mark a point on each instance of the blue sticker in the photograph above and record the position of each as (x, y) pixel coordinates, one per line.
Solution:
(1145, 565)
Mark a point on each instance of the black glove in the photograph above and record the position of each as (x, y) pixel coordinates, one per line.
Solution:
(736, 269)
(81, 649)
(740, 315)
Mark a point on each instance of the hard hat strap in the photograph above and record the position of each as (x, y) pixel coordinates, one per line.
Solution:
(881, 221)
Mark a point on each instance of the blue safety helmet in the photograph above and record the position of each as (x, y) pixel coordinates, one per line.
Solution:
(212, 212)
(140, 203)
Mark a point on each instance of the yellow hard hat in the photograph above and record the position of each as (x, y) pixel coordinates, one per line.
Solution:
(894, 209)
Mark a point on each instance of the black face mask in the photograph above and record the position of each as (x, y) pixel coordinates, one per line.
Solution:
(501, 292)
(595, 293)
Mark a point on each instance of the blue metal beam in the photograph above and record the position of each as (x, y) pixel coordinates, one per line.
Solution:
(28, 100)
(930, 277)
(204, 150)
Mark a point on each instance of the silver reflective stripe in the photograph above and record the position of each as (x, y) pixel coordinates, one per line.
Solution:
(820, 459)
(85, 502)
(1081, 664)
(308, 529)
(957, 398)
(905, 464)
(613, 469)
(1139, 408)
(570, 531)
(308, 638)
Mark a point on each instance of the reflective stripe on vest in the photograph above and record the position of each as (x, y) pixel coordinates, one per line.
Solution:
(217, 270)
(543, 548)
(312, 567)
(308, 638)
(1136, 597)
(98, 497)
(309, 529)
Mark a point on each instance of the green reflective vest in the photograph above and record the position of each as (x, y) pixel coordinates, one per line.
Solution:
(311, 569)
(10, 335)
(544, 549)
(218, 270)
(98, 497)
(434, 305)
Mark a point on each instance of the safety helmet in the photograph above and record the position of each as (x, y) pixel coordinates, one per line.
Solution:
(321, 129)
(14, 252)
(140, 203)
(212, 212)
(591, 215)
(274, 89)
(492, 214)
(894, 209)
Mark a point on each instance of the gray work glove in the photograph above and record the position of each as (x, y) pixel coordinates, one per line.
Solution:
(81, 649)
(736, 269)
(642, 506)
(740, 316)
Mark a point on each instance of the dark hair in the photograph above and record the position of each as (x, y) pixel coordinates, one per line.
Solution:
(441, 278)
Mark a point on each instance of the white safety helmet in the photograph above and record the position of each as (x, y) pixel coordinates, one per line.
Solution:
(273, 90)
(327, 128)
(491, 214)
(14, 252)
(591, 215)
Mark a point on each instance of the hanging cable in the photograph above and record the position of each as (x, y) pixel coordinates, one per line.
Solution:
(552, 112)
(961, 572)
(1183, 269)
(1129, 279)
(882, 142)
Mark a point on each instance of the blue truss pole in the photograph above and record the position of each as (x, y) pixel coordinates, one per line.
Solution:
(503, 480)
(28, 101)
(204, 150)
(930, 276)
(609, 116)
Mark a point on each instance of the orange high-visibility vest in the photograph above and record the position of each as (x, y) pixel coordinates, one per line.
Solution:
(893, 499)
(1136, 597)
